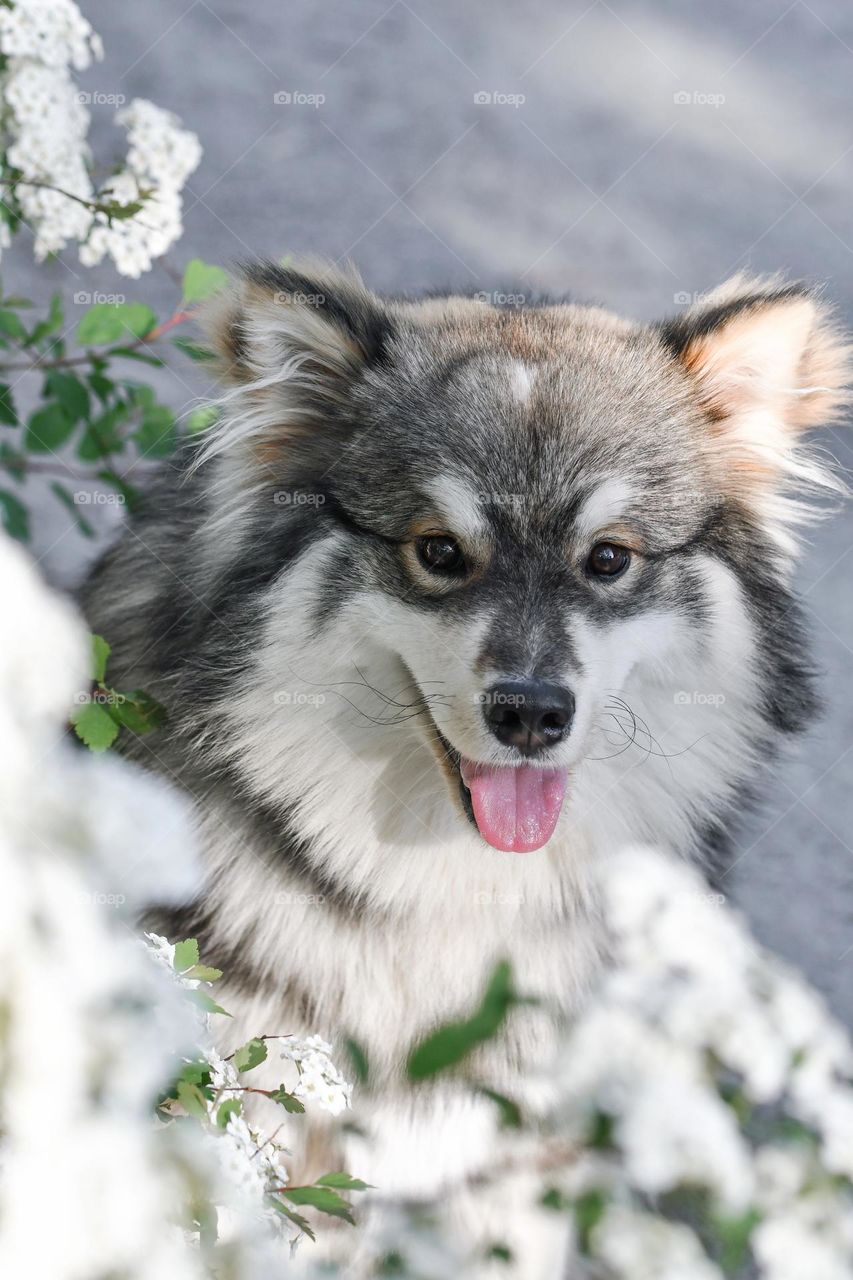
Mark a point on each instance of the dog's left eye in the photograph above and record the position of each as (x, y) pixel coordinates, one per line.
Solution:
(441, 554)
(607, 560)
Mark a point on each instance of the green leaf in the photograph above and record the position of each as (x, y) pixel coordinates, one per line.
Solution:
(192, 1099)
(7, 407)
(94, 725)
(204, 973)
(450, 1044)
(288, 1100)
(101, 438)
(588, 1211)
(107, 322)
(156, 436)
(201, 280)
(186, 954)
(11, 324)
(53, 321)
(138, 711)
(16, 519)
(70, 392)
(322, 1198)
(735, 1235)
(510, 1112)
(48, 429)
(102, 387)
(100, 653)
(205, 1002)
(358, 1058)
(499, 1253)
(230, 1107)
(293, 1216)
(193, 350)
(66, 497)
(250, 1055)
(131, 496)
(132, 353)
(13, 461)
(200, 419)
(343, 1181)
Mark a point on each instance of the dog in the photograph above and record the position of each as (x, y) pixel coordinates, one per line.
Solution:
(451, 602)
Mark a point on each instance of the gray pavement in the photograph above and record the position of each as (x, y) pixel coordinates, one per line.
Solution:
(628, 152)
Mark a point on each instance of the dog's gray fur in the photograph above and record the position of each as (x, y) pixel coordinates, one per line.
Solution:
(321, 685)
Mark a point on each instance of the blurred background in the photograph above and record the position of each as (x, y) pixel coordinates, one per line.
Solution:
(629, 153)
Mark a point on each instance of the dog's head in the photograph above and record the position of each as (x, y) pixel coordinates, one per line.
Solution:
(531, 504)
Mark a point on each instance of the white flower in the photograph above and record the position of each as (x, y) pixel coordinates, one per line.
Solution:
(640, 1246)
(789, 1248)
(160, 157)
(53, 32)
(46, 125)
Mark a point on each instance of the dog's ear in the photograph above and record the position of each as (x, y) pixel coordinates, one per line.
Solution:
(291, 341)
(768, 363)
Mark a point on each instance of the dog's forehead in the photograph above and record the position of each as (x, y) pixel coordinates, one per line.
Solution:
(510, 420)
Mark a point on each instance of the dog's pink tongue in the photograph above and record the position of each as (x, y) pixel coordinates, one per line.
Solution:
(516, 809)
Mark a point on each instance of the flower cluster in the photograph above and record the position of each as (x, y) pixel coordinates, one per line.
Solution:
(85, 845)
(319, 1080)
(160, 158)
(46, 160)
(707, 1082)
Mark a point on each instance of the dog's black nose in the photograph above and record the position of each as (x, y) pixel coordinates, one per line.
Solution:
(528, 714)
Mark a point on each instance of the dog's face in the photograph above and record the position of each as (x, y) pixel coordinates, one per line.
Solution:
(531, 504)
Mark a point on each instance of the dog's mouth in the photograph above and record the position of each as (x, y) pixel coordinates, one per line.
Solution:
(515, 808)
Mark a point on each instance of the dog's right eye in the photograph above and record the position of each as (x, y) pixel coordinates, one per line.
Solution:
(440, 553)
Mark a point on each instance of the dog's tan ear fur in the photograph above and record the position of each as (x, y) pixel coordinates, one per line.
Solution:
(768, 364)
(290, 341)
